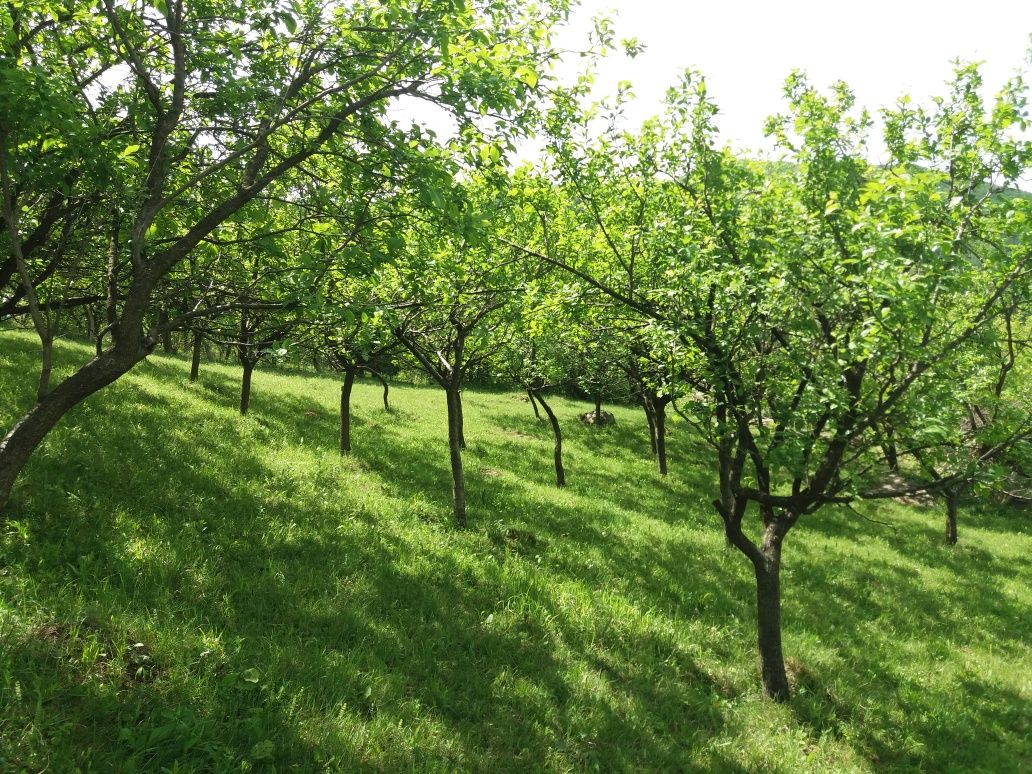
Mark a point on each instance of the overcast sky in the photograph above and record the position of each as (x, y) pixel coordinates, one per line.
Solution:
(881, 48)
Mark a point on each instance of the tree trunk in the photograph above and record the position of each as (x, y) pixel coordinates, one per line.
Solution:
(951, 517)
(651, 420)
(560, 473)
(458, 414)
(768, 616)
(533, 403)
(166, 336)
(889, 450)
(245, 387)
(46, 365)
(21, 441)
(455, 449)
(598, 409)
(345, 411)
(195, 363)
(659, 431)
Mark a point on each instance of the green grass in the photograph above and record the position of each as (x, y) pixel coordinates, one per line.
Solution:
(184, 589)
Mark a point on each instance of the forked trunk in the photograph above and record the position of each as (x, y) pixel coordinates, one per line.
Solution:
(345, 411)
(560, 473)
(455, 451)
(533, 403)
(21, 441)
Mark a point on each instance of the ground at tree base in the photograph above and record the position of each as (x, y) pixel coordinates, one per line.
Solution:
(183, 589)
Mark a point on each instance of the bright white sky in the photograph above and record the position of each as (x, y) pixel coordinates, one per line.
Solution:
(881, 48)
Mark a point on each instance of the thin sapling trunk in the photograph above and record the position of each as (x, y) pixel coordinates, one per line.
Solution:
(533, 403)
(560, 473)
(455, 455)
(195, 361)
(345, 411)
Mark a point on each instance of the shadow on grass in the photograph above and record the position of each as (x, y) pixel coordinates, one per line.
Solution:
(307, 611)
(290, 636)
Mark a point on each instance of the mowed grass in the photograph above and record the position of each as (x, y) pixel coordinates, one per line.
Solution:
(185, 589)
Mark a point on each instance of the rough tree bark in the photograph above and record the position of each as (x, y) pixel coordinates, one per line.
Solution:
(768, 614)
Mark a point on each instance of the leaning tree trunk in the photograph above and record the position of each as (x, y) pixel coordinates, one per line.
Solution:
(768, 615)
(560, 473)
(951, 517)
(21, 441)
(533, 403)
(345, 411)
(455, 450)
(386, 392)
(195, 362)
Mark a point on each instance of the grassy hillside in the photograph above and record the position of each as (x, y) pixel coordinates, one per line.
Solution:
(184, 589)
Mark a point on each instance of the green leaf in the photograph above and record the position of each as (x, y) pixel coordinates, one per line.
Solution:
(527, 76)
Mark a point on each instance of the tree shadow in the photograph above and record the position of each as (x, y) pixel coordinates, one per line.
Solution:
(328, 608)
(161, 522)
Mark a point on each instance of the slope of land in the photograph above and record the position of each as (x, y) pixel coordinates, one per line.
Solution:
(185, 589)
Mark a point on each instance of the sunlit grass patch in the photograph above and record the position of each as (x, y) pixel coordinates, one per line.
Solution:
(300, 610)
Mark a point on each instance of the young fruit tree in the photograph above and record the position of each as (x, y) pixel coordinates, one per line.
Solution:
(814, 299)
(200, 109)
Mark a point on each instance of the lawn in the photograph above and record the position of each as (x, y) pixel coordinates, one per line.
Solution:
(186, 589)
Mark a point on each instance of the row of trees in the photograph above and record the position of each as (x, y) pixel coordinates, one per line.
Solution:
(233, 175)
